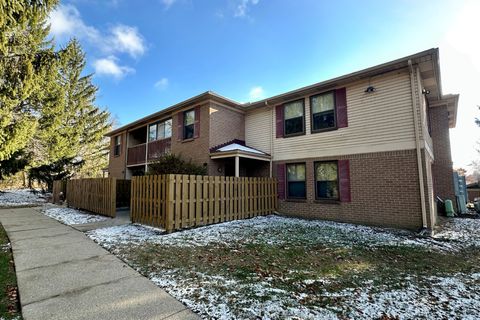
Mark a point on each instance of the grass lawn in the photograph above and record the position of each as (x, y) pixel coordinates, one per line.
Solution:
(275, 267)
(9, 307)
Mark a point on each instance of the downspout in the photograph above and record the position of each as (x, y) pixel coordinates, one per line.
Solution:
(418, 146)
(271, 138)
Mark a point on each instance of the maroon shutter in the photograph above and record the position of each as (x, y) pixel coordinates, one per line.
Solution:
(341, 107)
(180, 126)
(279, 120)
(281, 180)
(196, 130)
(344, 180)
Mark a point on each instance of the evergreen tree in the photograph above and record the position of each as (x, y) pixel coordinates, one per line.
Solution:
(73, 126)
(25, 58)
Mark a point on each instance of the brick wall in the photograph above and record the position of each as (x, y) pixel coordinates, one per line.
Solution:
(116, 164)
(384, 189)
(196, 149)
(225, 125)
(442, 165)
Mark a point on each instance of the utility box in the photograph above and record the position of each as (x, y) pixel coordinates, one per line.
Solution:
(461, 195)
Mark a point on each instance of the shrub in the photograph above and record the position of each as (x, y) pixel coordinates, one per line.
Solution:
(173, 164)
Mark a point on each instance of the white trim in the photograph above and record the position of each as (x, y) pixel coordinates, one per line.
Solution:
(230, 154)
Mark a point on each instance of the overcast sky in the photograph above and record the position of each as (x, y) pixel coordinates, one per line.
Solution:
(150, 54)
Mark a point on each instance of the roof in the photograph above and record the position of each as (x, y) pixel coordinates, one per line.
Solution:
(237, 148)
(474, 185)
(427, 62)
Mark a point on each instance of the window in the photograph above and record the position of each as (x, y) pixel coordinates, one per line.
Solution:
(117, 145)
(326, 180)
(296, 181)
(168, 128)
(152, 132)
(323, 111)
(293, 115)
(188, 124)
(160, 130)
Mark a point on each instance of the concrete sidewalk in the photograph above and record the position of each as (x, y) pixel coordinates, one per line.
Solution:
(62, 274)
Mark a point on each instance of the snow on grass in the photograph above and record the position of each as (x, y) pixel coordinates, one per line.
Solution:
(71, 216)
(124, 235)
(463, 231)
(270, 229)
(5, 247)
(20, 197)
(213, 296)
(451, 297)
(218, 294)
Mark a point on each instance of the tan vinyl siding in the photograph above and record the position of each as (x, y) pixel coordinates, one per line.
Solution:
(377, 122)
(258, 131)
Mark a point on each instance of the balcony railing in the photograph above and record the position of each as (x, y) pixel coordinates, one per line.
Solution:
(158, 148)
(137, 154)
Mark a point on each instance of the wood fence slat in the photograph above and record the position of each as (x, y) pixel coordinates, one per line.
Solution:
(191, 200)
(198, 200)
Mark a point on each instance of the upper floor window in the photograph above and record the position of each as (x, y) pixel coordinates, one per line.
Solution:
(160, 130)
(326, 180)
(117, 145)
(323, 111)
(188, 124)
(296, 188)
(294, 117)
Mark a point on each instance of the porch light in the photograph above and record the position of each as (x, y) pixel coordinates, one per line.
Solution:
(370, 89)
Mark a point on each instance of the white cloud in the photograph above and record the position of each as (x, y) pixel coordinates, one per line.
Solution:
(65, 22)
(256, 93)
(241, 10)
(161, 84)
(109, 67)
(168, 3)
(126, 39)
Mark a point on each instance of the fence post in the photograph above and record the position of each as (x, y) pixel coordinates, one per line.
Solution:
(113, 197)
(169, 199)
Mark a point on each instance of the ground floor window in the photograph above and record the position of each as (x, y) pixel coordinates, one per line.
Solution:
(326, 180)
(296, 188)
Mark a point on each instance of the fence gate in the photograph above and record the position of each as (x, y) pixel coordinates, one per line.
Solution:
(96, 195)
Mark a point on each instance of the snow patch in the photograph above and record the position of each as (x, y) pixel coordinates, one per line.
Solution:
(219, 297)
(21, 197)
(272, 229)
(71, 216)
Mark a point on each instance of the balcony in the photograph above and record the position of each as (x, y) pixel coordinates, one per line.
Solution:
(155, 149)
(136, 154)
(158, 148)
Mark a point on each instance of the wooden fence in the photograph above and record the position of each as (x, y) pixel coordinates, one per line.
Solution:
(59, 186)
(175, 202)
(96, 195)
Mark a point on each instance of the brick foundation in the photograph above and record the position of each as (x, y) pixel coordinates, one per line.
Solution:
(384, 188)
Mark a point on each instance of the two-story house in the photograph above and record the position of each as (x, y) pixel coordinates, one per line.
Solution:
(370, 147)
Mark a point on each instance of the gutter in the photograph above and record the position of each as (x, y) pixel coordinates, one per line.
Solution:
(418, 146)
